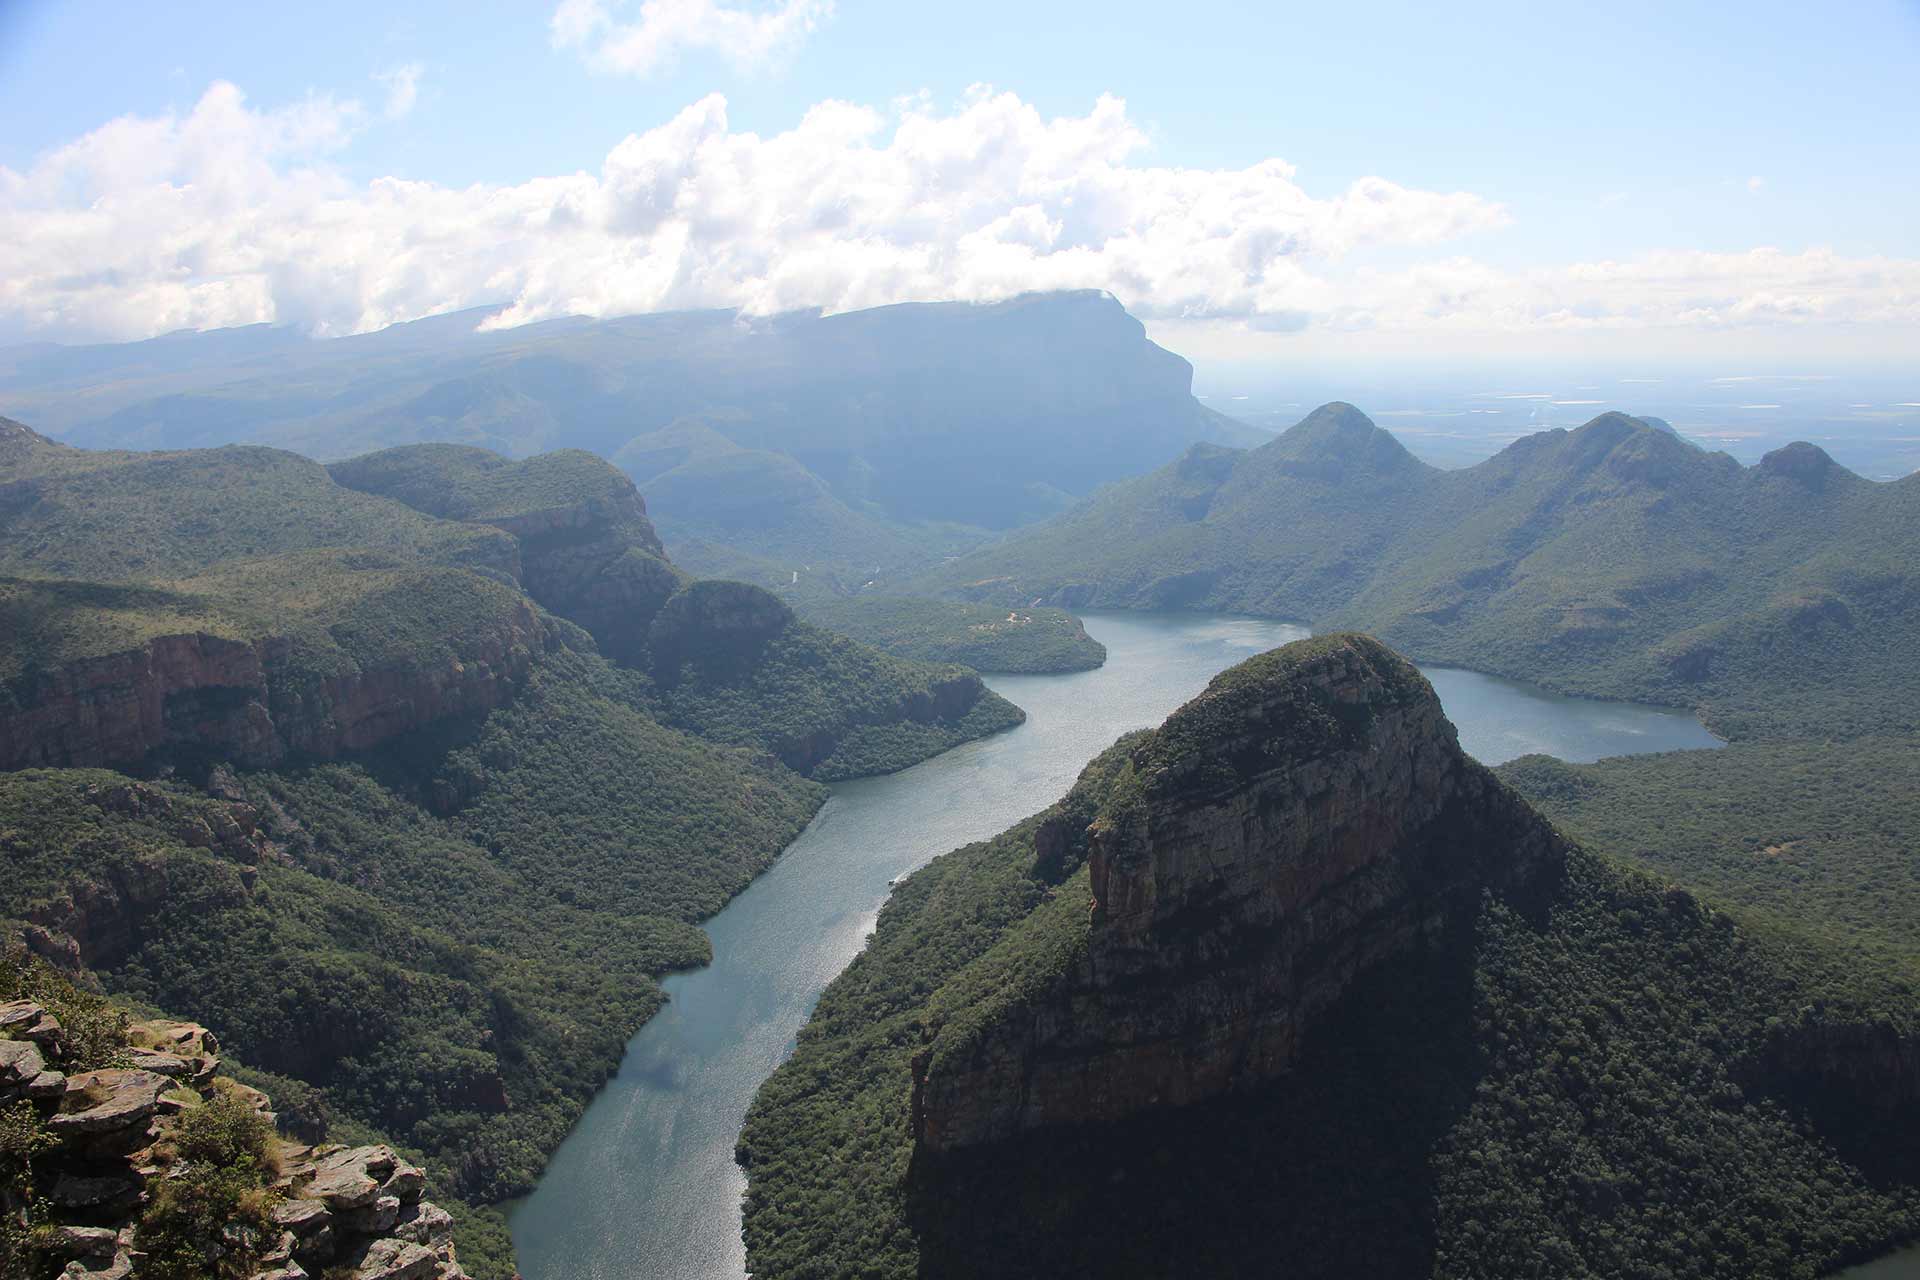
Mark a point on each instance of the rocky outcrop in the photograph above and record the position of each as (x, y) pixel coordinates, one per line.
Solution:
(597, 563)
(587, 550)
(1307, 817)
(239, 699)
(354, 1213)
(723, 627)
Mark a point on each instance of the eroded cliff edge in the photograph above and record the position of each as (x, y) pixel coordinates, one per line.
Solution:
(1307, 817)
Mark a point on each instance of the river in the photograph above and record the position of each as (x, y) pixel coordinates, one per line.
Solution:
(645, 1187)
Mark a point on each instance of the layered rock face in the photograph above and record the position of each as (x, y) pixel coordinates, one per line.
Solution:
(1308, 816)
(236, 699)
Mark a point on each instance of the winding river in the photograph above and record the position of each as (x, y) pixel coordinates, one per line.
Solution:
(645, 1187)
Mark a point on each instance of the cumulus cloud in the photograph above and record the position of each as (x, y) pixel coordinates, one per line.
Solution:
(231, 215)
(661, 29)
(402, 84)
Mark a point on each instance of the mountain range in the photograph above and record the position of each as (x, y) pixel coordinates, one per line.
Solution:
(851, 440)
(1615, 560)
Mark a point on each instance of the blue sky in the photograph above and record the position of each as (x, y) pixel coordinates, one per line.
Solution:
(1678, 137)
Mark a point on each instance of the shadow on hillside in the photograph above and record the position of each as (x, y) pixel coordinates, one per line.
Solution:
(1211, 1191)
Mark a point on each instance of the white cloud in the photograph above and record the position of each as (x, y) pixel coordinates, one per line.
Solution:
(1755, 183)
(745, 36)
(403, 88)
(229, 215)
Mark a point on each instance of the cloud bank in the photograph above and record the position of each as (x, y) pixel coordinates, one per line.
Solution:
(664, 28)
(231, 215)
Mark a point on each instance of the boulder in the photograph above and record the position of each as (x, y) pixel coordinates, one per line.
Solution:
(425, 1223)
(373, 1220)
(302, 1217)
(119, 1268)
(20, 1061)
(80, 1242)
(48, 1084)
(351, 1179)
(396, 1260)
(25, 1020)
(406, 1182)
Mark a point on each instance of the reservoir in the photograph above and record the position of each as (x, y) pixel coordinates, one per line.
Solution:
(645, 1187)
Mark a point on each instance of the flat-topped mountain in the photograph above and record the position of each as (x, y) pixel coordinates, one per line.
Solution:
(1290, 983)
(1614, 560)
(976, 415)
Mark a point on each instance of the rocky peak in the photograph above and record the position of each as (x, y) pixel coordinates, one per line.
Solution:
(1337, 440)
(1308, 816)
(717, 624)
(1805, 464)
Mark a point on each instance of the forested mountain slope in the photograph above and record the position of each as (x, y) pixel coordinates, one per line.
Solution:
(1615, 560)
(439, 764)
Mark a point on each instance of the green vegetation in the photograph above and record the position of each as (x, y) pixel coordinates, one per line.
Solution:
(460, 482)
(339, 611)
(827, 706)
(1613, 561)
(1818, 837)
(464, 981)
(111, 517)
(216, 1211)
(1039, 641)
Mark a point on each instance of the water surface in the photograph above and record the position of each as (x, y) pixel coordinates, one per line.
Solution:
(645, 1187)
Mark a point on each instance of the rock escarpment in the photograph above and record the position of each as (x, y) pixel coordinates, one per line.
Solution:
(251, 701)
(1306, 818)
(587, 550)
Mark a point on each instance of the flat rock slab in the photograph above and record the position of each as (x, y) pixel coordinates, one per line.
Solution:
(88, 1193)
(130, 1098)
(302, 1217)
(82, 1242)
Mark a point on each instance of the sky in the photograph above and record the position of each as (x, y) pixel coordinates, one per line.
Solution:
(1394, 181)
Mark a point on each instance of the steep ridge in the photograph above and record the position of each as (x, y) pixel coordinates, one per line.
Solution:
(1615, 560)
(1291, 977)
(1305, 819)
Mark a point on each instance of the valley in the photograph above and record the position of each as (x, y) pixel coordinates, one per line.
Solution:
(648, 1178)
